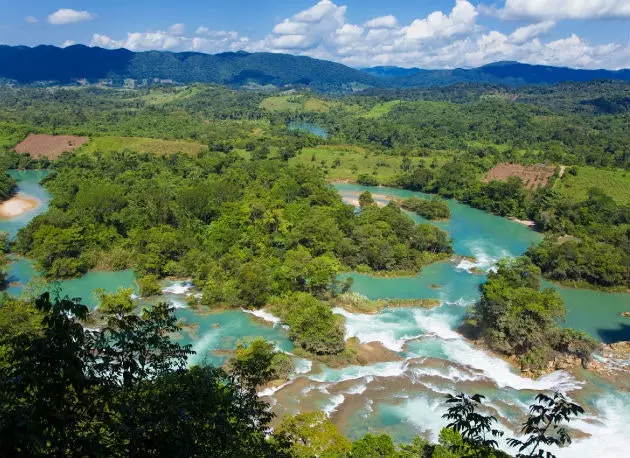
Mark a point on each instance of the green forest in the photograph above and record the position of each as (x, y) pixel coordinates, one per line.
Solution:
(128, 391)
(213, 184)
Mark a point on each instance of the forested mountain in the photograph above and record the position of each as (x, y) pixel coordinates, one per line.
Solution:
(26, 65)
(507, 73)
(64, 65)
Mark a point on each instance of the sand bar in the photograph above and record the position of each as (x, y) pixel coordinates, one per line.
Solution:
(17, 205)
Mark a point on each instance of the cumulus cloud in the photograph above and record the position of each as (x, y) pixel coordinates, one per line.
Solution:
(139, 41)
(67, 43)
(442, 39)
(565, 9)
(177, 29)
(437, 24)
(383, 22)
(323, 25)
(69, 16)
(528, 32)
(213, 41)
(31, 20)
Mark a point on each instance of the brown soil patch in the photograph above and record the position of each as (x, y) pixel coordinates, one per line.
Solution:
(49, 146)
(533, 176)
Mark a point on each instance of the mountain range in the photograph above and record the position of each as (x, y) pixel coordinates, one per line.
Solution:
(52, 65)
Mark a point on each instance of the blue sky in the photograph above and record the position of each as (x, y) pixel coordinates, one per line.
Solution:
(429, 34)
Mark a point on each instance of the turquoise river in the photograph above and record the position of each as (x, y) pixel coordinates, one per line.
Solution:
(403, 397)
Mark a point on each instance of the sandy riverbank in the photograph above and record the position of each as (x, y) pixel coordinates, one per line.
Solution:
(17, 205)
(524, 222)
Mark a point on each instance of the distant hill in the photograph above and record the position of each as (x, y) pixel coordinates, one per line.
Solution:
(50, 64)
(26, 65)
(506, 73)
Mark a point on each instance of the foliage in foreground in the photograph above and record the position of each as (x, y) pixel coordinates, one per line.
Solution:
(127, 391)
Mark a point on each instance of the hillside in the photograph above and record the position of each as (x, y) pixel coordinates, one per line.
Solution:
(505, 73)
(50, 64)
(26, 65)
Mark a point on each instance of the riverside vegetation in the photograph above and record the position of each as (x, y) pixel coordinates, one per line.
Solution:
(126, 390)
(251, 219)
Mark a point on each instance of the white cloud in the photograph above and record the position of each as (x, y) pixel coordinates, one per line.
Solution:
(177, 29)
(140, 41)
(68, 16)
(440, 40)
(31, 19)
(437, 24)
(565, 9)
(288, 27)
(214, 41)
(528, 32)
(67, 43)
(383, 22)
(320, 11)
(348, 34)
(323, 25)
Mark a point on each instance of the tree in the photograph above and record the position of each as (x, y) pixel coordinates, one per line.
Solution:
(119, 302)
(252, 364)
(475, 429)
(124, 391)
(515, 317)
(544, 425)
(366, 200)
(372, 446)
(50, 405)
(310, 435)
(312, 324)
(405, 164)
(4, 259)
(149, 285)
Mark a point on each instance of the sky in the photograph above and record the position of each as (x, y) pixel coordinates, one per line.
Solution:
(359, 33)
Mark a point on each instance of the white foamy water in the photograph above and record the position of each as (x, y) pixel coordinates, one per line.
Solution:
(451, 373)
(303, 365)
(270, 391)
(371, 328)
(609, 432)
(357, 389)
(333, 403)
(483, 259)
(179, 288)
(391, 369)
(177, 304)
(262, 314)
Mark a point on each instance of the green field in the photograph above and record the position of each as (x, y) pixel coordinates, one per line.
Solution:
(162, 96)
(352, 162)
(382, 109)
(614, 182)
(140, 144)
(297, 103)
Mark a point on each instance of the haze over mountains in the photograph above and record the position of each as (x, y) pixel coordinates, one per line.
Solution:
(50, 64)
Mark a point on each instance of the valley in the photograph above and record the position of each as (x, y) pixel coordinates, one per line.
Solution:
(251, 214)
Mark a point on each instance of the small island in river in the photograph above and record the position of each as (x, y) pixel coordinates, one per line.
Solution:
(18, 205)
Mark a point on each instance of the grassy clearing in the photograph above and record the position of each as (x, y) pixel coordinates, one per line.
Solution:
(141, 145)
(382, 109)
(346, 163)
(282, 103)
(161, 96)
(297, 103)
(614, 182)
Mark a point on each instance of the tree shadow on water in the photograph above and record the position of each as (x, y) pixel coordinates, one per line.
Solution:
(608, 336)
